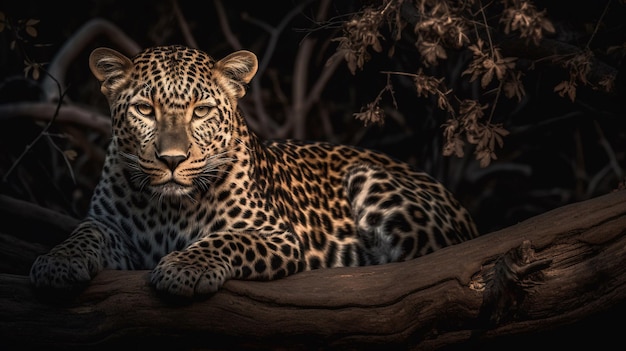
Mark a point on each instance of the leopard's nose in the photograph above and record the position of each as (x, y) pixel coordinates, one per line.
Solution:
(172, 161)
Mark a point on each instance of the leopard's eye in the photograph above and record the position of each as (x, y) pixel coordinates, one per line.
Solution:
(144, 110)
(201, 111)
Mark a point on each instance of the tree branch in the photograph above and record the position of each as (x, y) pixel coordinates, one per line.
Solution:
(183, 25)
(548, 271)
(76, 44)
(44, 111)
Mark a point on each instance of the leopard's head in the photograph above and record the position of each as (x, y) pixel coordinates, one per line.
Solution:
(173, 113)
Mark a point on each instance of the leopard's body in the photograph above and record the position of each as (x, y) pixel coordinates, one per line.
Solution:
(188, 191)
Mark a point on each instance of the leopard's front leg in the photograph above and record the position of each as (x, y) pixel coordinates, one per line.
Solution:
(76, 260)
(204, 266)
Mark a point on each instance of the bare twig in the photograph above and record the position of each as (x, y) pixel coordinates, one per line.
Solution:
(43, 132)
(599, 23)
(184, 26)
(610, 153)
(268, 125)
(299, 87)
(302, 102)
(259, 125)
(231, 38)
(65, 159)
(327, 126)
(322, 80)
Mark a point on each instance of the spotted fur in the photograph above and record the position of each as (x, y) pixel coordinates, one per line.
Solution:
(189, 192)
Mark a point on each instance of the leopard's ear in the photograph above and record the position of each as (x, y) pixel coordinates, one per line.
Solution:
(111, 68)
(239, 68)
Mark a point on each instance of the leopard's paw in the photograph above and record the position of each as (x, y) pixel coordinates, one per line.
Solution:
(62, 272)
(179, 274)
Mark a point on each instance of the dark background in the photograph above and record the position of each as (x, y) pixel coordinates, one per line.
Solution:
(558, 151)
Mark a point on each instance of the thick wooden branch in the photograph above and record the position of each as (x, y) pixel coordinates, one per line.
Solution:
(82, 38)
(44, 111)
(549, 271)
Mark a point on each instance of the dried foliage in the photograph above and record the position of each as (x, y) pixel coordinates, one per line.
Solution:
(372, 113)
(360, 33)
(523, 17)
(469, 26)
(578, 67)
(440, 28)
(20, 31)
(488, 64)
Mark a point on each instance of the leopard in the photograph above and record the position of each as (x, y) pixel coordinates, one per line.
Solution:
(190, 193)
